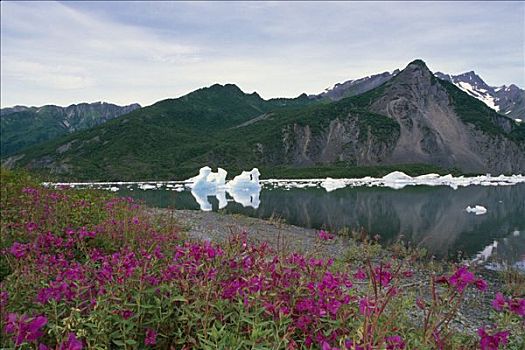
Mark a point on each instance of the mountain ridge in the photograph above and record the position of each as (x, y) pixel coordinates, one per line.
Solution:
(23, 126)
(414, 117)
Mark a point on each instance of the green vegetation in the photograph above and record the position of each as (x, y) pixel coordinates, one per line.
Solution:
(174, 138)
(473, 111)
(32, 126)
(83, 270)
(220, 126)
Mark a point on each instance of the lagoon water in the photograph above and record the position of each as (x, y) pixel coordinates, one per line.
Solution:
(431, 217)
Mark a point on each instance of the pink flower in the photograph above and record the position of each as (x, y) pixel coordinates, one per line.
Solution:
(499, 302)
(25, 329)
(395, 343)
(151, 337)
(492, 342)
(71, 343)
(360, 274)
(325, 235)
(366, 307)
(408, 273)
(481, 284)
(351, 345)
(19, 250)
(126, 314)
(461, 278)
(517, 306)
(383, 275)
(31, 226)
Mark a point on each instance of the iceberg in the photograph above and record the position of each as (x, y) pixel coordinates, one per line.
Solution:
(244, 188)
(208, 179)
(478, 210)
(246, 180)
(330, 184)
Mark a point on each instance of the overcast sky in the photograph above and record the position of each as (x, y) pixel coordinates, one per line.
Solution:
(70, 52)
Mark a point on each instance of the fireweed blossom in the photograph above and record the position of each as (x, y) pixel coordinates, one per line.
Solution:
(71, 343)
(25, 329)
(151, 337)
(325, 235)
(105, 265)
(499, 302)
(492, 342)
(394, 343)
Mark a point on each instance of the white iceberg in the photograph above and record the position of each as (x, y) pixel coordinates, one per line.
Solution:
(244, 188)
(330, 184)
(208, 179)
(247, 179)
(478, 210)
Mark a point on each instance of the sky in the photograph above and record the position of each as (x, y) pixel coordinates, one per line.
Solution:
(125, 52)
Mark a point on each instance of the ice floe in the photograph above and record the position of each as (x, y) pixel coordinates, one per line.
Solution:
(478, 210)
(395, 180)
(399, 180)
(332, 184)
(243, 189)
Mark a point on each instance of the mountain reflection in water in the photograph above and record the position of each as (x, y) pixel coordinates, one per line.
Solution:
(431, 217)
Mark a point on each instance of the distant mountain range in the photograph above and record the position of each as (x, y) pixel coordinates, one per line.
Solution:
(413, 117)
(507, 100)
(22, 126)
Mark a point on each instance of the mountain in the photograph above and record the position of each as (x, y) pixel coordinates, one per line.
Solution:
(412, 118)
(355, 87)
(158, 141)
(22, 126)
(507, 100)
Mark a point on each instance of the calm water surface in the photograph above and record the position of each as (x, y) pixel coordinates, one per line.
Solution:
(430, 217)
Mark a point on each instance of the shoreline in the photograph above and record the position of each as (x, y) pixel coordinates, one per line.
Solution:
(285, 238)
(216, 227)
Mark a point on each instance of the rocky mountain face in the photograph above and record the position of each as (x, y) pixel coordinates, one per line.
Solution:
(26, 126)
(412, 118)
(507, 100)
(356, 87)
(433, 129)
(431, 122)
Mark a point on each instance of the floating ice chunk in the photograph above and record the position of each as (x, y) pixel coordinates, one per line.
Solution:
(218, 178)
(208, 179)
(485, 254)
(247, 179)
(245, 188)
(397, 176)
(397, 180)
(478, 210)
(146, 187)
(330, 184)
(428, 177)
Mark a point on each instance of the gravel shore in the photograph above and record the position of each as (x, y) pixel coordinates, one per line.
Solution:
(216, 227)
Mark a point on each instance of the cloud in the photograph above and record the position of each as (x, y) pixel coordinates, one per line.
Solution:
(127, 52)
